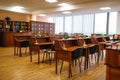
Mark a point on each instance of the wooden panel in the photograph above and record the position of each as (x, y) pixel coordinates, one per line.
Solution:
(112, 61)
(1, 38)
(8, 39)
(112, 57)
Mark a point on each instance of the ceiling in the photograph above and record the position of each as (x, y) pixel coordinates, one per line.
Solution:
(52, 9)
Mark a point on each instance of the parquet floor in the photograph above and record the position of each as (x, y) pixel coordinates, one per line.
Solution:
(20, 68)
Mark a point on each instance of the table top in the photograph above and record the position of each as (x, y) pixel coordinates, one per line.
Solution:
(44, 43)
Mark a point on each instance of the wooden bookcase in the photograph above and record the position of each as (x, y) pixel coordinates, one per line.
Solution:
(1, 25)
(14, 26)
(42, 27)
(21, 26)
(9, 28)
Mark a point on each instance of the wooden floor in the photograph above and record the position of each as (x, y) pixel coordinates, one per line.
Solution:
(20, 68)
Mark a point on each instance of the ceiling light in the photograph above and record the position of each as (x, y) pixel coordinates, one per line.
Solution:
(66, 12)
(66, 8)
(105, 8)
(17, 8)
(51, 1)
(63, 4)
(41, 15)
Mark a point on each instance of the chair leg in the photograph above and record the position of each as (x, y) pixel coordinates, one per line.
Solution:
(49, 57)
(79, 64)
(43, 56)
(61, 67)
(102, 55)
(30, 56)
(17, 51)
(26, 50)
(20, 53)
(38, 57)
(70, 70)
(89, 61)
(95, 58)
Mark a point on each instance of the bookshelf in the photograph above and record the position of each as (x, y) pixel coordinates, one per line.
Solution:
(42, 27)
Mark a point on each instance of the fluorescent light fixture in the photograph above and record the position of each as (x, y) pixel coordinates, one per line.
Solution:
(66, 8)
(51, 1)
(63, 4)
(41, 15)
(105, 8)
(17, 8)
(66, 12)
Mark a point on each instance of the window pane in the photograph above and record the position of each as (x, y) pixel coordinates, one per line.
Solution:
(68, 24)
(77, 24)
(58, 24)
(112, 22)
(100, 23)
(88, 24)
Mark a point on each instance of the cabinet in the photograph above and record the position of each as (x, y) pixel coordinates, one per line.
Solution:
(14, 26)
(42, 27)
(1, 25)
(20, 26)
(112, 61)
(6, 39)
(9, 28)
(52, 28)
(5, 26)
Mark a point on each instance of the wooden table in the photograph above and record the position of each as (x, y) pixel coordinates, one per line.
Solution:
(65, 54)
(43, 43)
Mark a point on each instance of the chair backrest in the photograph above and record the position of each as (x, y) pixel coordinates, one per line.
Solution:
(25, 43)
(94, 40)
(94, 49)
(80, 42)
(22, 42)
(53, 47)
(77, 53)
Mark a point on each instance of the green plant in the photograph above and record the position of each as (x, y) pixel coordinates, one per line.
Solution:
(66, 37)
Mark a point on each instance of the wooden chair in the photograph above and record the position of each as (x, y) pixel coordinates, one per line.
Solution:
(75, 56)
(20, 43)
(70, 56)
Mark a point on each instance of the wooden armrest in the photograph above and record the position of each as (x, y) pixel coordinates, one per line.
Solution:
(19, 40)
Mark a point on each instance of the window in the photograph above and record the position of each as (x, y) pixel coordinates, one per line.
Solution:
(100, 23)
(77, 24)
(112, 23)
(68, 24)
(58, 24)
(88, 24)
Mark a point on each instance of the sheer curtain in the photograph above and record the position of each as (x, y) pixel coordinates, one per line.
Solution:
(77, 24)
(68, 24)
(100, 23)
(58, 24)
(86, 24)
(112, 23)
(88, 21)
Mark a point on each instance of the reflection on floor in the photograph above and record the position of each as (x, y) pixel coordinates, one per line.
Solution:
(20, 68)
